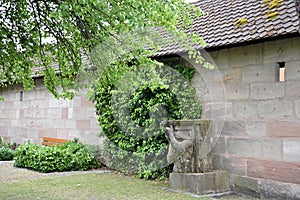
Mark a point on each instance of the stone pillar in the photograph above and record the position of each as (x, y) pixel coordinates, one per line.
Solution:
(190, 152)
(187, 140)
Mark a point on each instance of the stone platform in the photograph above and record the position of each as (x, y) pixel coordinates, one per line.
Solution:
(200, 183)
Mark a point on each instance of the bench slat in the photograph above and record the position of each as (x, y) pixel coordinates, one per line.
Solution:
(47, 141)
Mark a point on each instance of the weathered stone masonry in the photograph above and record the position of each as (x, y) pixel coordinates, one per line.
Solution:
(261, 133)
(31, 115)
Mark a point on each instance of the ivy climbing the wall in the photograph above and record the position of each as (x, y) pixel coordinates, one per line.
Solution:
(132, 101)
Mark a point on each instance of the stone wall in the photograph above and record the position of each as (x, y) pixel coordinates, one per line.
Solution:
(260, 116)
(31, 115)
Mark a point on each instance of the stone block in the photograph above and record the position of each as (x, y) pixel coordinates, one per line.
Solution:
(49, 123)
(17, 105)
(33, 133)
(27, 113)
(58, 123)
(291, 150)
(54, 113)
(30, 123)
(53, 103)
(272, 149)
(243, 184)
(64, 113)
(296, 191)
(275, 109)
(282, 171)
(83, 124)
(47, 133)
(76, 102)
(90, 137)
(79, 113)
(245, 147)
(234, 128)
(62, 103)
(34, 103)
(283, 50)
(231, 75)
(39, 113)
(94, 125)
(292, 90)
(234, 165)
(74, 134)
(90, 112)
(8, 105)
(260, 73)
(283, 129)
(275, 190)
(245, 109)
(256, 129)
(292, 71)
(220, 58)
(29, 95)
(70, 124)
(267, 90)
(217, 110)
(85, 102)
(216, 159)
(245, 55)
(25, 104)
(43, 103)
(219, 145)
(221, 181)
(297, 108)
(200, 183)
(70, 113)
(237, 91)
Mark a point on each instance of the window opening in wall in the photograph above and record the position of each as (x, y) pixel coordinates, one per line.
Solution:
(281, 71)
(21, 96)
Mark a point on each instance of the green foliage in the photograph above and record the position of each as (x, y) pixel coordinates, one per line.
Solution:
(6, 153)
(7, 150)
(66, 157)
(59, 34)
(131, 108)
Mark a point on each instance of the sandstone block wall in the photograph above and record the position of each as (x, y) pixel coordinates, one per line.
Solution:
(31, 115)
(260, 136)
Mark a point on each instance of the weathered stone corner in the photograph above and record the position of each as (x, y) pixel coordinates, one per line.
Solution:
(200, 183)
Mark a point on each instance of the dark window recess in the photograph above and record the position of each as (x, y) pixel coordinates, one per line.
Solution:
(281, 72)
(21, 96)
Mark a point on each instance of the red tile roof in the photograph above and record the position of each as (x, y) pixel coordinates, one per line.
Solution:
(219, 27)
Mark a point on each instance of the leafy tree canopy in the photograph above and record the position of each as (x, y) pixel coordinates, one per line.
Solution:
(52, 38)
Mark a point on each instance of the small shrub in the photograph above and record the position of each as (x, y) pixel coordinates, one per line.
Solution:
(7, 150)
(70, 156)
(6, 153)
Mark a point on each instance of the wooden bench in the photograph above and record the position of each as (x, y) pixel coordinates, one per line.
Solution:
(47, 141)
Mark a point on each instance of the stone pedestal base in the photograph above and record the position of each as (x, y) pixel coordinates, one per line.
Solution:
(200, 183)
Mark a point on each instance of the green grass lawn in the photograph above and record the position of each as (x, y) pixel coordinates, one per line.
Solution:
(89, 186)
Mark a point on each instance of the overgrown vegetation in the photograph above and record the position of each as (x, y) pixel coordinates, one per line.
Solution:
(7, 150)
(62, 33)
(66, 157)
(131, 103)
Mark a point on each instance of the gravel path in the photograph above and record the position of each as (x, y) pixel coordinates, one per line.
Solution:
(9, 173)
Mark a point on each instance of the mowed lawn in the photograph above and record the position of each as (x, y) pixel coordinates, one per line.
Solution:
(89, 186)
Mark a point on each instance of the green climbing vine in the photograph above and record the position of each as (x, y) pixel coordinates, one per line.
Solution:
(131, 103)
